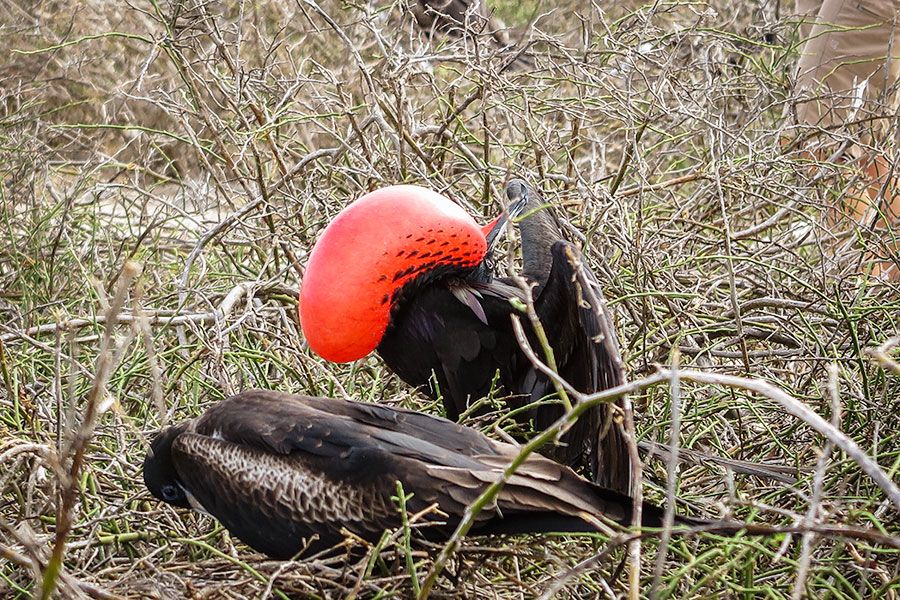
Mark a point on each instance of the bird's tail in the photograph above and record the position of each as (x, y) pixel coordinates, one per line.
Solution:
(545, 496)
(554, 522)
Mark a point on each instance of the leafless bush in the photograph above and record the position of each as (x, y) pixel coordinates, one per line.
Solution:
(212, 141)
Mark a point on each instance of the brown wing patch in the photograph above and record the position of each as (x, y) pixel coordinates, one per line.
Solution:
(285, 485)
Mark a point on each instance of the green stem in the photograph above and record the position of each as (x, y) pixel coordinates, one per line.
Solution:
(407, 548)
(86, 38)
(490, 493)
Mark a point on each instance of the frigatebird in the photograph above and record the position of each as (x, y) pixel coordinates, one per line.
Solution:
(289, 474)
(455, 16)
(406, 271)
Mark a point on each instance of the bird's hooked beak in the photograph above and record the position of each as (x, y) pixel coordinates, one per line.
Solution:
(517, 194)
(493, 230)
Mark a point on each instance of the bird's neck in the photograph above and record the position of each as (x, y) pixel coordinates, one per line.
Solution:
(539, 230)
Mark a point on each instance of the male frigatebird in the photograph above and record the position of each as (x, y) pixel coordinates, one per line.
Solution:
(405, 271)
(286, 473)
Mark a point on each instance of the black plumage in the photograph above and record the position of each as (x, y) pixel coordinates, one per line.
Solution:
(451, 336)
(286, 473)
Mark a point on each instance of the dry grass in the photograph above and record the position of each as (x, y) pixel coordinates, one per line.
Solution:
(210, 142)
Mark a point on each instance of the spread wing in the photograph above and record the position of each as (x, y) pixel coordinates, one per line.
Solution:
(577, 322)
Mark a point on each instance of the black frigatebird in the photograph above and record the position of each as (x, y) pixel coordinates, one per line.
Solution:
(454, 16)
(405, 271)
(289, 473)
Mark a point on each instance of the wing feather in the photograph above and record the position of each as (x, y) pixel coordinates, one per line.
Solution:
(338, 429)
(572, 308)
(440, 344)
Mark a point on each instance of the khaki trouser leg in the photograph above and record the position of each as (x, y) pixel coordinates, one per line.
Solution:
(849, 67)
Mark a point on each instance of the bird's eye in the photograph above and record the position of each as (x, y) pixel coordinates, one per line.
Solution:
(170, 493)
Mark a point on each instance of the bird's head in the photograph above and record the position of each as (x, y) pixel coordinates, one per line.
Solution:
(520, 198)
(160, 475)
(373, 250)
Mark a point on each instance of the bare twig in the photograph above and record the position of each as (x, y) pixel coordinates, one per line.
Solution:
(818, 480)
(140, 317)
(671, 474)
(882, 355)
(70, 485)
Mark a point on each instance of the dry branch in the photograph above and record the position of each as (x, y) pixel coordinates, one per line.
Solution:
(213, 141)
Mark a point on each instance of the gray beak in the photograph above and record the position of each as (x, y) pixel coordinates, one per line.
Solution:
(497, 228)
(517, 192)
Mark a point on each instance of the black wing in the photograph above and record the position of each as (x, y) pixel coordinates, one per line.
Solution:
(370, 447)
(437, 342)
(279, 423)
(280, 470)
(285, 473)
(571, 308)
